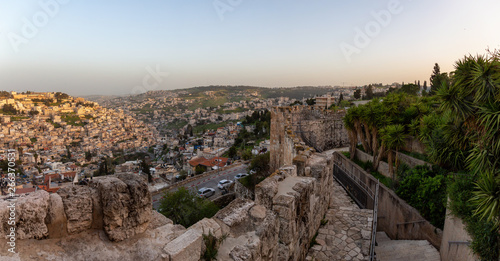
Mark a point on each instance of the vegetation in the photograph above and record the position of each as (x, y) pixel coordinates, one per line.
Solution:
(212, 244)
(9, 109)
(260, 164)
(186, 208)
(424, 189)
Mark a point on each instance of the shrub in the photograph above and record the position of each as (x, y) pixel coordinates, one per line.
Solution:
(425, 190)
(184, 207)
(485, 239)
(212, 244)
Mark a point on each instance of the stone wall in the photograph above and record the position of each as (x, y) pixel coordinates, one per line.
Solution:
(242, 191)
(395, 217)
(293, 127)
(121, 205)
(454, 231)
(383, 167)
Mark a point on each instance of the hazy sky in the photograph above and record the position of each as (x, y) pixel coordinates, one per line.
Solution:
(120, 47)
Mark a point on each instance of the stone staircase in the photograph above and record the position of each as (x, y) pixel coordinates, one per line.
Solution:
(404, 250)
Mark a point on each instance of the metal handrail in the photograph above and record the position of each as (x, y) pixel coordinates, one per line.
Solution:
(365, 187)
(411, 222)
(374, 224)
(458, 243)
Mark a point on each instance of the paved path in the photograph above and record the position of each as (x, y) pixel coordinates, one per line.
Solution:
(404, 250)
(347, 234)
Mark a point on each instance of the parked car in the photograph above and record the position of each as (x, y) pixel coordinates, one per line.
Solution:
(224, 183)
(253, 171)
(240, 175)
(206, 192)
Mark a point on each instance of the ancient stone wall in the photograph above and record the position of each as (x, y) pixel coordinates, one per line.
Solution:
(395, 217)
(321, 129)
(293, 127)
(242, 191)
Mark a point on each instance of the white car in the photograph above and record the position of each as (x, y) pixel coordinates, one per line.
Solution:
(224, 183)
(206, 192)
(239, 176)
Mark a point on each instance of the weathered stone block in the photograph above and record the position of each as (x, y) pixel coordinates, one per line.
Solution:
(56, 217)
(208, 225)
(126, 205)
(30, 215)
(78, 207)
(186, 247)
(236, 212)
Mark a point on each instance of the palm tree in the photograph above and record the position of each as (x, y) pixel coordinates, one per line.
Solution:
(394, 138)
(351, 132)
(473, 101)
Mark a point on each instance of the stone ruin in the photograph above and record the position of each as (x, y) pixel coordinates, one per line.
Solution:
(300, 128)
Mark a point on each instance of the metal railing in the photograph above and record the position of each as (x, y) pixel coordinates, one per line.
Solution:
(458, 243)
(374, 225)
(357, 189)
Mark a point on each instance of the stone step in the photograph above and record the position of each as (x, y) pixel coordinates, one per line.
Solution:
(407, 250)
(382, 237)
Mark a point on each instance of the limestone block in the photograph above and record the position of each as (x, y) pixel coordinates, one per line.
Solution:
(56, 217)
(208, 225)
(258, 212)
(4, 217)
(266, 190)
(126, 205)
(78, 207)
(30, 215)
(186, 247)
(236, 212)
(158, 220)
(240, 253)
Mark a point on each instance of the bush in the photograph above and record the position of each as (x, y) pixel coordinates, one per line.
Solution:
(186, 208)
(425, 190)
(260, 163)
(485, 240)
(211, 246)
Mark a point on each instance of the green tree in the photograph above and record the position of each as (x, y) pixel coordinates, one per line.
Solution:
(393, 138)
(189, 130)
(232, 152)
(145, 168)
(186, 208)
(246, 154)
(311, 101)
(357, 94)
(260, 163)
(341, 98)
(199, 169)
(437, 79)
(368, 93)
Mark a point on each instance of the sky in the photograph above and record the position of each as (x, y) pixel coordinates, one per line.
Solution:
(125, 47)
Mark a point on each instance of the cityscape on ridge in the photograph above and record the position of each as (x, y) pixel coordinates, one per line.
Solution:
(238, 130)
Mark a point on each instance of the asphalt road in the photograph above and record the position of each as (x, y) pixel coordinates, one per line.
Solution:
(208, 182)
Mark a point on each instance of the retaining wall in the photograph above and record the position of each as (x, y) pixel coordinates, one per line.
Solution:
(454, 231)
